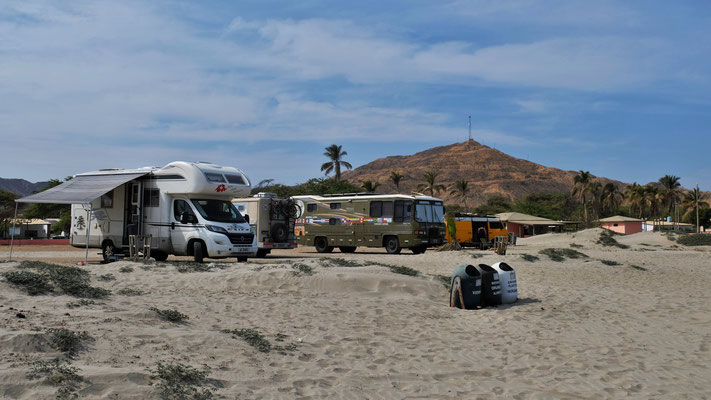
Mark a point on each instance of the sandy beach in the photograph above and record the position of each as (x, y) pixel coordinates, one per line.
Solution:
(581, 328)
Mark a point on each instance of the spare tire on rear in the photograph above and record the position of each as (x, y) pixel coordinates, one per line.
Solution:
(280, 233)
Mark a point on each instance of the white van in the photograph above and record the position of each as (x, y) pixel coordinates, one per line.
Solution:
(184, 206)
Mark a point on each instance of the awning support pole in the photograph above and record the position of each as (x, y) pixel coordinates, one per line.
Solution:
(12, 234)
(88, 231)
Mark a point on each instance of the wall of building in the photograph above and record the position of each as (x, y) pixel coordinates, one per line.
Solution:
(626, 228)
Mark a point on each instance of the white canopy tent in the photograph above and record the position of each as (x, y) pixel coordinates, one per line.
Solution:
(82, 189)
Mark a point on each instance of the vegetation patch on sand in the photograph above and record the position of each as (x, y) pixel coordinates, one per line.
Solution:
(576, 246)
(67, 341)
(170, 315)
(559, 255)
(180, 381)
(607, 239)
(130, 292)
(694, 240)
(302, 269)
(529, 257)
(610, 262)
(445, 280)
(338, 262)
(60, 374)
(637, 267)
(47, 277)
(107, 277)
(125, 269)
(80, 303)
(257, 340)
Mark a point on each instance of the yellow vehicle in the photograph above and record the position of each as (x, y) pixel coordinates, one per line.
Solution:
(472, 228)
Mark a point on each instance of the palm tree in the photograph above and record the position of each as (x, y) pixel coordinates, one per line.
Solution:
(610, 198)
(581, 184)
(636, 197)
(595, 191)
(431, 186)
(396, 178)
(671, 192)
(462, 190)
(694, 200)
(334, 153)
(653, 198)
(370, 186)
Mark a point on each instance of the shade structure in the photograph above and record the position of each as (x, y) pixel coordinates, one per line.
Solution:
(81, 189)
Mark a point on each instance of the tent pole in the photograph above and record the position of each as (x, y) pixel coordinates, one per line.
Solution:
(88, 230)
(12, 234)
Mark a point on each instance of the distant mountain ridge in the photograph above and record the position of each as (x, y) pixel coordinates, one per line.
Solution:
(489, 172)
(20, 186)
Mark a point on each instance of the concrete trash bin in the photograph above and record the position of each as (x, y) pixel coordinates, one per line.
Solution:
(509, 287)
(490, 285)
(465, 287)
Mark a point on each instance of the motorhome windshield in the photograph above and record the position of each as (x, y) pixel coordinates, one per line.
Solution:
(429, 211)
(218, 210)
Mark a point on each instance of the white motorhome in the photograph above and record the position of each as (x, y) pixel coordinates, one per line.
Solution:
(185, 207)
(272, 219)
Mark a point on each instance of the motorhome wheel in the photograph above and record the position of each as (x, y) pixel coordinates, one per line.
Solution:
(159, 255)
(198, 252)
(392, 245)
(347, 249)
(418, 249)
(242, 259)
(322, 246)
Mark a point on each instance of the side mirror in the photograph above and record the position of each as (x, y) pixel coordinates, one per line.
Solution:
(186, 218)
(246, 217)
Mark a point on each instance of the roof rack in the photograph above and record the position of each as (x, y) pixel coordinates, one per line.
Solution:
(348, 194)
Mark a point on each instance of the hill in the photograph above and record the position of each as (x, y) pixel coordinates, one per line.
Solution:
(490, 172)
(20, 186)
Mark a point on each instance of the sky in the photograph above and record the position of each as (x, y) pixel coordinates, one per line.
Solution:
(620, 89)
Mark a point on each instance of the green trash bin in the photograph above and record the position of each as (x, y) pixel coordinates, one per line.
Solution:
(465, 287)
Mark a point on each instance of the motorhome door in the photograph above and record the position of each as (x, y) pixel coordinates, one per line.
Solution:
(182, 225)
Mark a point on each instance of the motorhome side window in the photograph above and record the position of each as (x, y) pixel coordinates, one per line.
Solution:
(151, 197)
(179, 207)
(213, 177)
(496, 225)
(107, 200)
(234, 179)
(311, 207)
(335, 206)
(381, 209)
(403, 211)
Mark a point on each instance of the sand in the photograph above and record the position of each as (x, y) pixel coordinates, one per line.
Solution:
(581, 329)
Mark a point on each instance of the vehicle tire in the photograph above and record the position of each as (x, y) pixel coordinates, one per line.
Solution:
(242, 259)
(159, 255)
(198, 251)
(347, 249)
(107, 250)
(280, 233)
(261, 253)
(392, 245)
(418, 249)
(321, 244)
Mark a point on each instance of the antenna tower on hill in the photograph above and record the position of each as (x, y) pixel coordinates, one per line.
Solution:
(470, 127)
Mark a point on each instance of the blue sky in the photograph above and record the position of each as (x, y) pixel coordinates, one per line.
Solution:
(621, 89)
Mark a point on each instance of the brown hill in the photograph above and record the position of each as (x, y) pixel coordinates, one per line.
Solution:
(489, 172)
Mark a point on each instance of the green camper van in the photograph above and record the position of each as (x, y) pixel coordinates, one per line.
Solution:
(349, 221)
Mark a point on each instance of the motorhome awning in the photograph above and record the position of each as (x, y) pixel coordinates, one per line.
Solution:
(81, 189)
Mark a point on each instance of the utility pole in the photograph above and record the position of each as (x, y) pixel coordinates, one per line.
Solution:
(470, 127)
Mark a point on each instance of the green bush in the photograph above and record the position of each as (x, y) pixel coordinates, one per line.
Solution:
(180, 381)
(610, 262)
(170, 315)
(303, 269)
(58, 373)
(607, 239)
(71, 280)
(560, 254)
(252, 337)
(529, 257)
(695, 240)
(67, 341)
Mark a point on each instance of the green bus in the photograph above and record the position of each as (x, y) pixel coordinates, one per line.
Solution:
(349, 221)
